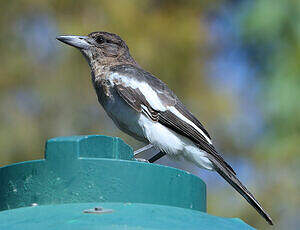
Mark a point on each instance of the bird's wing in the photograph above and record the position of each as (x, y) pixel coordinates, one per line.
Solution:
(149, 95)
(175, 119)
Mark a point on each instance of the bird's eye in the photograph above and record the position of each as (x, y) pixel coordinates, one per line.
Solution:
(100, 40)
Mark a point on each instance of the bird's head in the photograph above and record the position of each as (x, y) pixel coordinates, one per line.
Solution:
(101, 47)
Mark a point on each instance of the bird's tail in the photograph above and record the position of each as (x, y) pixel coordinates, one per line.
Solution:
(238, 186)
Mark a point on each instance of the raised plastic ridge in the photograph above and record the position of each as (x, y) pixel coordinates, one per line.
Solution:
(80, 169)
(82, 173)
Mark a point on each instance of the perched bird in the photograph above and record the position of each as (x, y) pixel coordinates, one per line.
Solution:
(144, 107)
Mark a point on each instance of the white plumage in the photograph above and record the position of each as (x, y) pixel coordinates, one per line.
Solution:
(179, 115)
(150, 95)
(172, 143)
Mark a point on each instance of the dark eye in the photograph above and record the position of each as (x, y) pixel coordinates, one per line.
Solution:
(99, 39)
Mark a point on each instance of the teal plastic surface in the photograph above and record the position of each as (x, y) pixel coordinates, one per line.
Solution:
(85, 172)
(126, 216)
(96, 168)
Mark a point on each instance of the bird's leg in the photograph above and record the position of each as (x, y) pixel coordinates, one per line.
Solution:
(141, 151)
(156, 157)
(138, 153)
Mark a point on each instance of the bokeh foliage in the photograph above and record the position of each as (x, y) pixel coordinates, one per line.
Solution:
(45, 88)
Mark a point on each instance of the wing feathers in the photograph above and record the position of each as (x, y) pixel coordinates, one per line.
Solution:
(177, 118)
(132, 97)
(185, 112)
(137, 100)
(168, 119)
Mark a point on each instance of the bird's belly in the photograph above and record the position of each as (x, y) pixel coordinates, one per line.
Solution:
(172, 143)
(124, 117)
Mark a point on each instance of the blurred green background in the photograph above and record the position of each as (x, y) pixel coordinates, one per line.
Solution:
(235, 64)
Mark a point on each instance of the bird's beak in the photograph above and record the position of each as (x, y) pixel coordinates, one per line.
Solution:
(80, 42)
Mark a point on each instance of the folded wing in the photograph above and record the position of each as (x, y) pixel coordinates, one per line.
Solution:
(153, 98)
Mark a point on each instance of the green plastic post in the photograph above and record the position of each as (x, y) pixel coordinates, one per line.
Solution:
(82, 172)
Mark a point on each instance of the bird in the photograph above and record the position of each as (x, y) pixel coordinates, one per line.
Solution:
(143, 106)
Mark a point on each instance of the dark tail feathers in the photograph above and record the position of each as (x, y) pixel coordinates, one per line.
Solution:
(238, 186)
